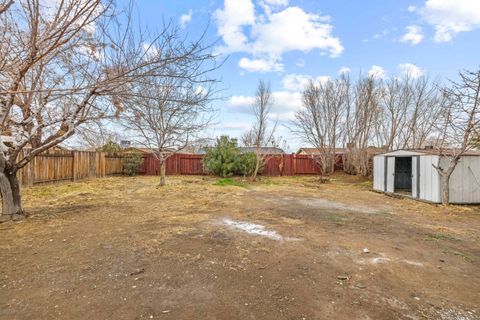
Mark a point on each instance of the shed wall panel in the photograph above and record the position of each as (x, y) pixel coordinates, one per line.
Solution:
(379, 173)
(414, 176)
(464, 184)
(390, 174)
(429, 182)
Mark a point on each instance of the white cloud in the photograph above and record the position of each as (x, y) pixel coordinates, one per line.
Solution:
(300, 63)
(376, 72)
(276, 2)
(260, 65)
(414, 35)
(294, 29)
(235, 15)
(297, 82)
(268, 35)
(185, 19)
(240, 103)
(150, 49)
(285, 104)
(411, 70)
(344, 70)
(450, 17)
(412, 8)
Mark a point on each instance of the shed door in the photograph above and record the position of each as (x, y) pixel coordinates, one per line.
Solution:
(416, 177)
(390, 174)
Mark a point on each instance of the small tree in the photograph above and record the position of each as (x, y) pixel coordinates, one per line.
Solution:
(260, 135)
(224, 158)
(170, 113)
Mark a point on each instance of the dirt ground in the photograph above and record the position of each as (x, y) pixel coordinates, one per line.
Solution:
(281, 248)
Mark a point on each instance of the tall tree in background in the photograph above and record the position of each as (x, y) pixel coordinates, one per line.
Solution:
(321, 120)
(66, 63)
(460, 118)
(410, 107)
(261, 134)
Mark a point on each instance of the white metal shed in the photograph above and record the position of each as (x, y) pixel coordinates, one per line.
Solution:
(411, 173)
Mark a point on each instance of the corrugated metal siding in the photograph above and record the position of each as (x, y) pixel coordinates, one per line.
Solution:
(379, 173)
(429, 180)
(465, 181)
(414, 176)
(390, 174)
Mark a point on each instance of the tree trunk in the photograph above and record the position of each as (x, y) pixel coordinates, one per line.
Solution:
(445, 188)
(257, 167)
(162, 173)
(11, 199)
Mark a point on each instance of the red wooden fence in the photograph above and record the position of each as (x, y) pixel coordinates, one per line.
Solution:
(275, 165)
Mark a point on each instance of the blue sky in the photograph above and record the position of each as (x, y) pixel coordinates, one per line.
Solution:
(287, 42)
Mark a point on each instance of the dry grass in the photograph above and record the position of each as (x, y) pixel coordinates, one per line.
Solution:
(76, 253)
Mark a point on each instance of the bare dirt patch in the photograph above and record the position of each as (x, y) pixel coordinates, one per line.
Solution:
(119, 248)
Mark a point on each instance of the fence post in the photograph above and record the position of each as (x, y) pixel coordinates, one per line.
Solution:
(294, 162)
(74, 167)
(100, 165)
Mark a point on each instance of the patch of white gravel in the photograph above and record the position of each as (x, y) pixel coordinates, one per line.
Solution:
(255, 229)
(452, 314)
(383, 259)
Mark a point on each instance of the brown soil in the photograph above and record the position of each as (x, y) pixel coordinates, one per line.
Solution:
(120, 248)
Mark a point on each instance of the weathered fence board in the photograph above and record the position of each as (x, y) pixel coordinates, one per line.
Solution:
(60, 165)
(275, 165)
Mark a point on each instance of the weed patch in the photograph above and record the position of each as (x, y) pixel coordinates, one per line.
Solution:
(440, 236)
(229, 182)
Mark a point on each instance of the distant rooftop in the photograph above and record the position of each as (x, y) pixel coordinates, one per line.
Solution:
(262, 150)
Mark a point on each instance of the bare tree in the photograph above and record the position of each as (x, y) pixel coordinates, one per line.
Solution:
(321, 121)
(426, 103)
(409, 109)
(261, 135)
(66, 65)
(94, 135)
(171, 112)
(5, 5)
(460, 118)
(362, 125)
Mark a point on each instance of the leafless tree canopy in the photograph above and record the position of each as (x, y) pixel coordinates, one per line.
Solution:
(458, 124)
(322, 120)
(73, 62)
(262, 134)
(367, 115)
(168, 114)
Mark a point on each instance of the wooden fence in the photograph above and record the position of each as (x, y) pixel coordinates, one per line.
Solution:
(275, 165)
(60, 165)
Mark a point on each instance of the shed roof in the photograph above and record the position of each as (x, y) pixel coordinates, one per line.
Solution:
(262, 150)
(314, 151)
(424, 152)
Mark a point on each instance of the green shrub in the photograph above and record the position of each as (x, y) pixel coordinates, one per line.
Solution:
(131, 163)
(224, 158)
(247, 164)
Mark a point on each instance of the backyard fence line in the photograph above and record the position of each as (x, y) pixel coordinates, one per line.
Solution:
(62, 165)
(275, 165)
